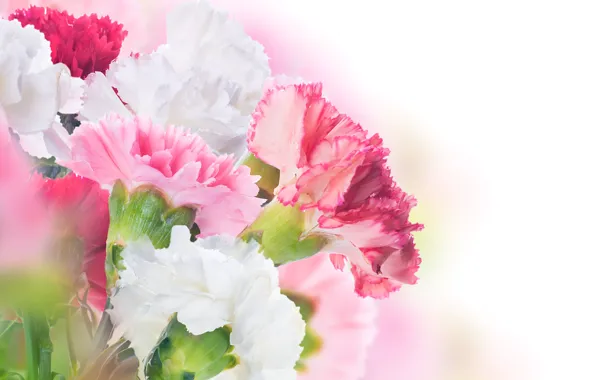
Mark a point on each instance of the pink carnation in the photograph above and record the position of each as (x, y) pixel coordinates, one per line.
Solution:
(178, 162)
(328, 163)
(339, 317)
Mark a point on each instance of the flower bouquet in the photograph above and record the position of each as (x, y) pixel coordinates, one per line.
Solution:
(180, 213)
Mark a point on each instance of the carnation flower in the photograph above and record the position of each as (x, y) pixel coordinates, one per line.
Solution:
(125, 12)
(137, 151)
(81, 218)
(208, 77)
(329, 165)
(337, 316)
(85, 45)
(210, 283)
(32, 89)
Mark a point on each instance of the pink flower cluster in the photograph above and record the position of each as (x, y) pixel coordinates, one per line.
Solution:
(328, 163)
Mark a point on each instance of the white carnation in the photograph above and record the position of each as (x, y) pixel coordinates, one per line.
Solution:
(32, 89)
(209, 77)
(210, 283)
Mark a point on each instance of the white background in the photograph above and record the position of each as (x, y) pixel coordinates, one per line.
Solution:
(502, 96)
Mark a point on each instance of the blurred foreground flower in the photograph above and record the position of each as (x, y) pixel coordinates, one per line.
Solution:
(334, 317)
(79, 210)
(24, 230)
(28, 276)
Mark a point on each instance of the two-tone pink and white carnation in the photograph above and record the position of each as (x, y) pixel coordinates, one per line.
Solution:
(328, 164)
(138, 151)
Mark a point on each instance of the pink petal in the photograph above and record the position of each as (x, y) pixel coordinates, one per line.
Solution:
(276, 133)
(373, 286)
(338, 261)
(137, 151)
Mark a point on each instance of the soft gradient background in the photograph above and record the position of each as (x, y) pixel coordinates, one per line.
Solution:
(490, 110)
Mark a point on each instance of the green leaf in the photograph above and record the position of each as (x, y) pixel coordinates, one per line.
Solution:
(280, 232)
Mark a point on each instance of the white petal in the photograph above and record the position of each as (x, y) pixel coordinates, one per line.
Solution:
(35, 145)
(57, 141)
(100, 99)
(147, 84)
(71, 94)
(39, 102)
(211, 283)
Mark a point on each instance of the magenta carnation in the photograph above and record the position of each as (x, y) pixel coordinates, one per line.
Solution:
(328, 163)
(85, 44)
(178, 162)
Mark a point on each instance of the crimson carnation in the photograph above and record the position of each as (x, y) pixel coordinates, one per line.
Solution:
(79, 208)
(85, 44)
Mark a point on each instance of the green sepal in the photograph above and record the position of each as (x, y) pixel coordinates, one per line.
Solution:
(180, 355)
(146, 211)
(280, 232)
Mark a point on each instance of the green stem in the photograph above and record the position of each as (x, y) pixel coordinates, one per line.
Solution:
(7, 329)
(39, 347)
(32, 347)
(45, 353)
(70, 343)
